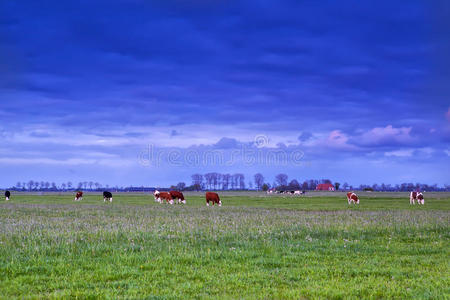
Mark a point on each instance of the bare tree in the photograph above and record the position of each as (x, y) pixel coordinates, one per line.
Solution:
(240, 181)
(294, 184)
(181, 186)
(281, 179)
(197, 180)
(226, 181)
(209, 180)
(259, 180)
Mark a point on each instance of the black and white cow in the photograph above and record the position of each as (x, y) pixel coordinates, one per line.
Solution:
(7, 195)
(107, 196)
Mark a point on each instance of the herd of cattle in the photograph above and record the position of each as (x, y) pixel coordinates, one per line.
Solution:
(172, 196)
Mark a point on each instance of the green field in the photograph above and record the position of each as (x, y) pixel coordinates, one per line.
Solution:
(255, 246)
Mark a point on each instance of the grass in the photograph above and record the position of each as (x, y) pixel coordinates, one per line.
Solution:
(252, 247)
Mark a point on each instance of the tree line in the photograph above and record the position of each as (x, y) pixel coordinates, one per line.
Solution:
(33, 185)
(226, 181)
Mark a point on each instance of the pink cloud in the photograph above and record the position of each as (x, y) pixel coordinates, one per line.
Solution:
(338, 140)
(386, 136)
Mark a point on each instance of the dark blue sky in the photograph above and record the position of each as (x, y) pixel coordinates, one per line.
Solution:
(360, 88)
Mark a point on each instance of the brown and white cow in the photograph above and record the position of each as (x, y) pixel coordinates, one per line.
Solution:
(416, 196)
(161, 196)
(213, 197)
(79, 196)
(177, 195)
(352, 198)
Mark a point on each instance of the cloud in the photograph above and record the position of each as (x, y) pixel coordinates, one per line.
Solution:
(66, 162)
(337, 140)
(305, 136)
(447, 114)
(400, 153)
(227, 143)
(385, 136)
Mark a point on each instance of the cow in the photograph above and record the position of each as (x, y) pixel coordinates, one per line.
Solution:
(79, 196)
(177, 195)
(213, 197)
(297, 193)
(7, 195)
(107, 196)
(416, 196)
(161, 196)
(352, 198)
(156, 195)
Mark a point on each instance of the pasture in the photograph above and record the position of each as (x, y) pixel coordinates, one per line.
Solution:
(255, 246)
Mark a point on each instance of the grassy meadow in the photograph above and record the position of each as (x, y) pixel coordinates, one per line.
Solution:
(255, 246)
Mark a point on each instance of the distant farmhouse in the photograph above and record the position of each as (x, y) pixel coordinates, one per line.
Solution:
(325, 187)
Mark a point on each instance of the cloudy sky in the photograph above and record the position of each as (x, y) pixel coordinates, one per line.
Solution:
(137, 92)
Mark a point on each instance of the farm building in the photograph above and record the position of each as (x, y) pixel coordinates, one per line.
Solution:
(325, 187)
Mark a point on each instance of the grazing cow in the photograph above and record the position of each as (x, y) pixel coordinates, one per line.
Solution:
(352, 198)
(213, 197)
(7, 195)
(416, 196)
(177, 195)
(297, 193)
(79, 196)
(156, 195)
(107, 196)
(161, 196)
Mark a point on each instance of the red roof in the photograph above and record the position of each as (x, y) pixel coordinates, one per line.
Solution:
(325, 187)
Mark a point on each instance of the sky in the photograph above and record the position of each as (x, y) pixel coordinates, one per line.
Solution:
(131, 92)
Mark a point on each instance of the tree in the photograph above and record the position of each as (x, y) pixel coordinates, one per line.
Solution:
(226, 181)
(259, 180)
(241, 181)
(294, 185)
(337, 185)
(265, 187)
(281, 179)
(197, 179)
(209, 180)
(305, 185)
(181, 186)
